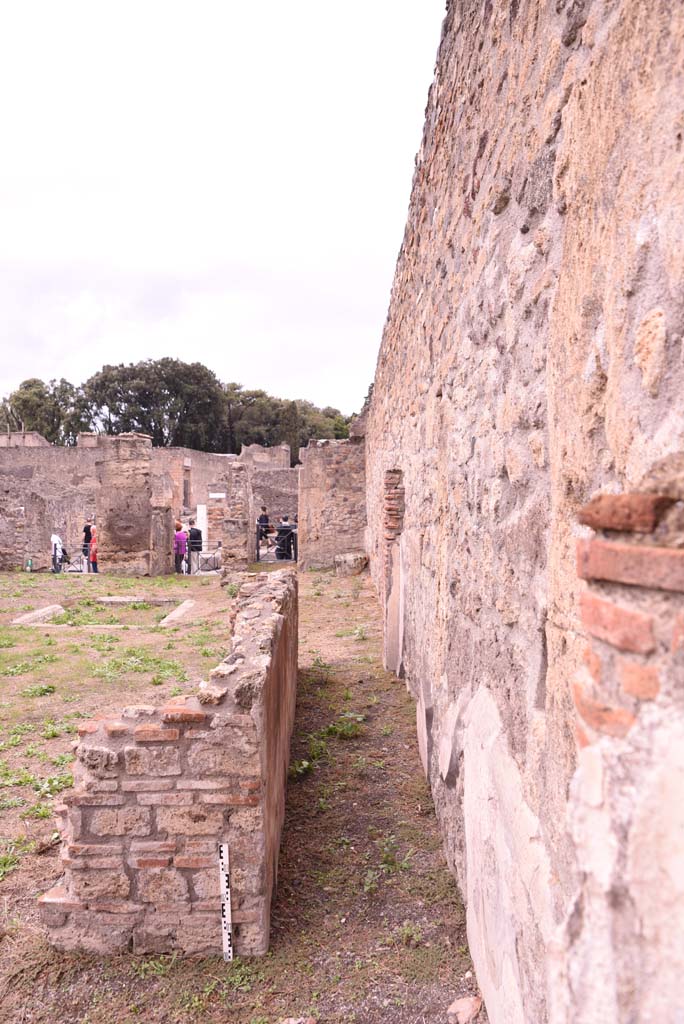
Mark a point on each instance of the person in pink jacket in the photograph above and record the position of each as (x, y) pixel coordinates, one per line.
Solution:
(180, 547)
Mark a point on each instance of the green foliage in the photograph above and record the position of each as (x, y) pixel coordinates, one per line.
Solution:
(178, 404)
(22, 668)
(40, 690)
(298, 769)
(347, 726)
(137, 659)
(11, 852)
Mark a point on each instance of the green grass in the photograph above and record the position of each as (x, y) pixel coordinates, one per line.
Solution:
(11, 852)
(137, 659)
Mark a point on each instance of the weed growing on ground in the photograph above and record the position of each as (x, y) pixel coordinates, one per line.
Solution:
(40, 690)
(11, 852)
(137, 659)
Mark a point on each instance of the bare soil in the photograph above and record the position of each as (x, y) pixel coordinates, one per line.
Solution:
(367, 923)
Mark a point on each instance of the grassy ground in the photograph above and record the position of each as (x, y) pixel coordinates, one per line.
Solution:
(367, 924)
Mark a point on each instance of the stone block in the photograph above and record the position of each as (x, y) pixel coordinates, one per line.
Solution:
(158, 761)
(164, 885)
(128, 821)
(98, 760)
(190, 821)
(165, 799)
(351, 564)
(100, 885)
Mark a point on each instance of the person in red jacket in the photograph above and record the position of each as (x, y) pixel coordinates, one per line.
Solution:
(92, 555)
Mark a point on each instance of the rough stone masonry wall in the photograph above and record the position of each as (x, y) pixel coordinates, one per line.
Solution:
(43, 488)
(332, 507)
(532, 358)
(158, 788)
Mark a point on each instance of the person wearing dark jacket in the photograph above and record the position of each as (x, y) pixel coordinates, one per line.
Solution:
(284, 539)
(194, 547)
(87, 537)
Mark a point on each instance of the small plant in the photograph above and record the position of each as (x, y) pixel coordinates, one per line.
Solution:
(54, 784)
(346, 694)
(370, 881)
(175, 691)
(242, 976)
(8, 802)
(59, 760)
(389, 860)
(40, 690)
(318, 748)
(298, 769)
(38, 810)
(10, 854)
(408, 934)
(387, 730)
(232, 590)
(360, 633)
(347, 726)
(157, 967)
(51, 730)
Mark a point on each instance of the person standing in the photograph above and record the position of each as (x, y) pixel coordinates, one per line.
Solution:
(180, 547)
(57, 551)
(263, 523)
(87, 530)
(92, 552)
(195, 546)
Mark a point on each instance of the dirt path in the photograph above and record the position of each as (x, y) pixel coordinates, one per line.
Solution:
(367, 924)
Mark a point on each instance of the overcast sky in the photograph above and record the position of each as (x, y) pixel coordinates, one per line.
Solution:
(224, 181)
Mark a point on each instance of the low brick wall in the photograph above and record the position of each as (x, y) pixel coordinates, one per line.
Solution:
(158, 788)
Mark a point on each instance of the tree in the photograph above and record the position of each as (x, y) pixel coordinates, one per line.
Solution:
(178, 404)
(54, 410)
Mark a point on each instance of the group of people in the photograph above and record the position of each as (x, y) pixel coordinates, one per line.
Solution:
(60, 555)
(281, 537)
(187, 545)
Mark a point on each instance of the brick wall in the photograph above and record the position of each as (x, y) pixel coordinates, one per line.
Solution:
(332, 501)
(158, 788)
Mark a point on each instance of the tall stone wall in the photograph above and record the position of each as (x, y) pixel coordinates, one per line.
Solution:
(43, 489)
(157, 789)
(332, 505)
(532, 357)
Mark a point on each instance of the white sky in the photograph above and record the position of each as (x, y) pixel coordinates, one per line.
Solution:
(224, 181)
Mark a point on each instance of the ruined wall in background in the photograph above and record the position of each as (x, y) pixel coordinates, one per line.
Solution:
(158, 788)
(23, 439)
(278, 490)
(43, 489)
(533, 357)
(192, 474)
(332, 503)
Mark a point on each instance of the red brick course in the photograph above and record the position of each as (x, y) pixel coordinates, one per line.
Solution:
(636, 680)
(638, 513)
(598, 715)
(638, 565)
(624, 628)
(155, 734)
